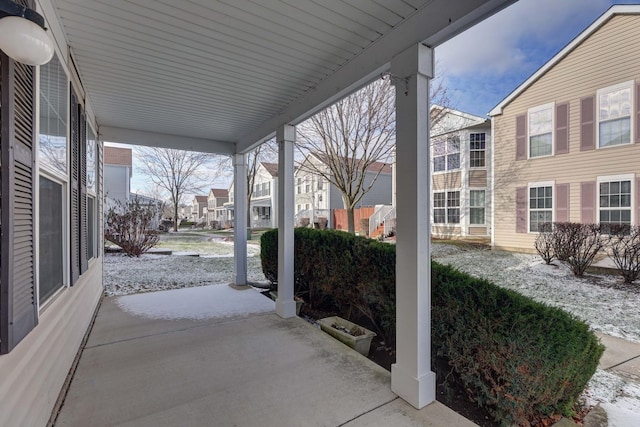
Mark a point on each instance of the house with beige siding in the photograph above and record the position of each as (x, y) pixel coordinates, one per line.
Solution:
(215, 206)
(460, 161)
(567, 141)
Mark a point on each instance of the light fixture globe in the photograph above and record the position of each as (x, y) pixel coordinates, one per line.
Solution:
(25, 41)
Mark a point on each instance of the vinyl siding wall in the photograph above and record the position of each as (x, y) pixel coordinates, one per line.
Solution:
(601, 60)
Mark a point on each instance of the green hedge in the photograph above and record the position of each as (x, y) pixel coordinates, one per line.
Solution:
(516, 357)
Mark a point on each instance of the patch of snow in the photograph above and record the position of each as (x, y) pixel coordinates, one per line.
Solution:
(198, 303)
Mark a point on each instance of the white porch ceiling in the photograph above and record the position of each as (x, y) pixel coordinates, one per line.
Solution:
(220, 76)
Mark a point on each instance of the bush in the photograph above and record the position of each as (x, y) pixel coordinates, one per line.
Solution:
(624, 244)
(516, 357)
(544, 243)
(129, 226)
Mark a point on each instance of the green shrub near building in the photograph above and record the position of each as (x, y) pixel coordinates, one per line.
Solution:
(516, 357)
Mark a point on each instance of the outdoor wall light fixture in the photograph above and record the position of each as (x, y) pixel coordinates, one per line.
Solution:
(23, 35)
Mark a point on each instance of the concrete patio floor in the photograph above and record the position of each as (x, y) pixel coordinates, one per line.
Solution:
(256, 369)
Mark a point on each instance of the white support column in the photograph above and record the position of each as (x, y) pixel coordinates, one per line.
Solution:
(285, 304)
(411, 376)
(240, 219)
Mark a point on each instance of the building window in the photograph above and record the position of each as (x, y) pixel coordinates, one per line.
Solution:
(299, 189)
(50, 238)
(541, 131)
(540, 207)
(476, 207)
(91, 225)
(91, 160)
(446, 207)
(307, 185)
(477, 143)
(54, 90)
(614, 203)
(319, 197)
(446, 154)
(320, 184)
(614, 115)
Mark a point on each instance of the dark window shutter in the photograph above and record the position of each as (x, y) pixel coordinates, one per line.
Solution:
(637, 221)
(637, 113)
(588, 203)
(562, 128)
(18, 305)
(587, 123)
(74, 207)
(562, 203)
(521, 137)
(82, 179)
(521, 210)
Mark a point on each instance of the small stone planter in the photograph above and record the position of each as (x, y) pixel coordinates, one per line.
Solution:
(356, 337)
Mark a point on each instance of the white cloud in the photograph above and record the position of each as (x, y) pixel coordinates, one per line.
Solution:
(498, 45)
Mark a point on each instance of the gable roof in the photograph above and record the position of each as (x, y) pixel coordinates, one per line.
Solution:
(272, 168)
(376, 167)
(201, 199)
(219, 192)
(117, 156)
(595, 26)
(452, 120)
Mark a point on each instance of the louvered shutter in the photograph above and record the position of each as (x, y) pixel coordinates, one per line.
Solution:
(99, 198)
(637, 113)
(588, 203)
(74, 203)
(18, 305)
(82, 180)
(521, 210)
(562, 203)
(562, 128)
(521, 137)
(587, 123)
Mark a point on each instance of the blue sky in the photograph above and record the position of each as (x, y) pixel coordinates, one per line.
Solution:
(481, 66)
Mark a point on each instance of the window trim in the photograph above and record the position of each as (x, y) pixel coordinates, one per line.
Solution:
(624, 85)
(551, 106)
(622, 177)
(531, 185)
(446, 208)
(484, 150)
(446, 155)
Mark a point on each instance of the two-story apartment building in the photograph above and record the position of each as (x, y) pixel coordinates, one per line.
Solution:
(263, 206)
(460, 161)
(117, 175)
(199, 208)
(316, 197)
(567, 141)
(215, 206)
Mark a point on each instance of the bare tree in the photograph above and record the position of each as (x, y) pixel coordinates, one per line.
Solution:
(349, 138)
(180, 172)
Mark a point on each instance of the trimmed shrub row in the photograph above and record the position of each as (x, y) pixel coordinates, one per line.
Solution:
(516, 357)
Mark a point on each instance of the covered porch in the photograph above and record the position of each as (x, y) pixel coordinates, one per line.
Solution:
(185, 368)
(216, 77)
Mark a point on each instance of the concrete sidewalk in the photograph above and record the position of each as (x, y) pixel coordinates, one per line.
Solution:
(256, 370)
(621, 357)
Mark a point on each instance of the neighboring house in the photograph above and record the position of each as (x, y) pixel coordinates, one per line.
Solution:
(315, 197)
(199, 208)
(264, 199)
(568, 139)
(215, 206)
(156, 204)
(227, 215)
(185, 212)
(460, 161)
(117, 175)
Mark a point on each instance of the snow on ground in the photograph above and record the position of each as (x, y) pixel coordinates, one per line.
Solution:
(124, 275)
(195, 303)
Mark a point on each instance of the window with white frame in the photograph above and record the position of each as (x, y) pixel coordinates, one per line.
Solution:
(614, 201)
(541, 130)
(446, 154)
(477, 143)
(307, 184)
(540, 206)
(299, 189)
(446, 207)
(614, 115)
(54, 90)
(320, 184)
(476, 207)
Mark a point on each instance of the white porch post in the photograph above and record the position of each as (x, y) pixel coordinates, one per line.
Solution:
(240, 219)
(285, 305)
(411, 376)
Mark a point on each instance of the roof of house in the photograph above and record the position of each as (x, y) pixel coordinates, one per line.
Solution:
(272, 168)
(219, 192)
(451, 120)
(595, 26)
(117, 156)
(202, 199)
(373, 167)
